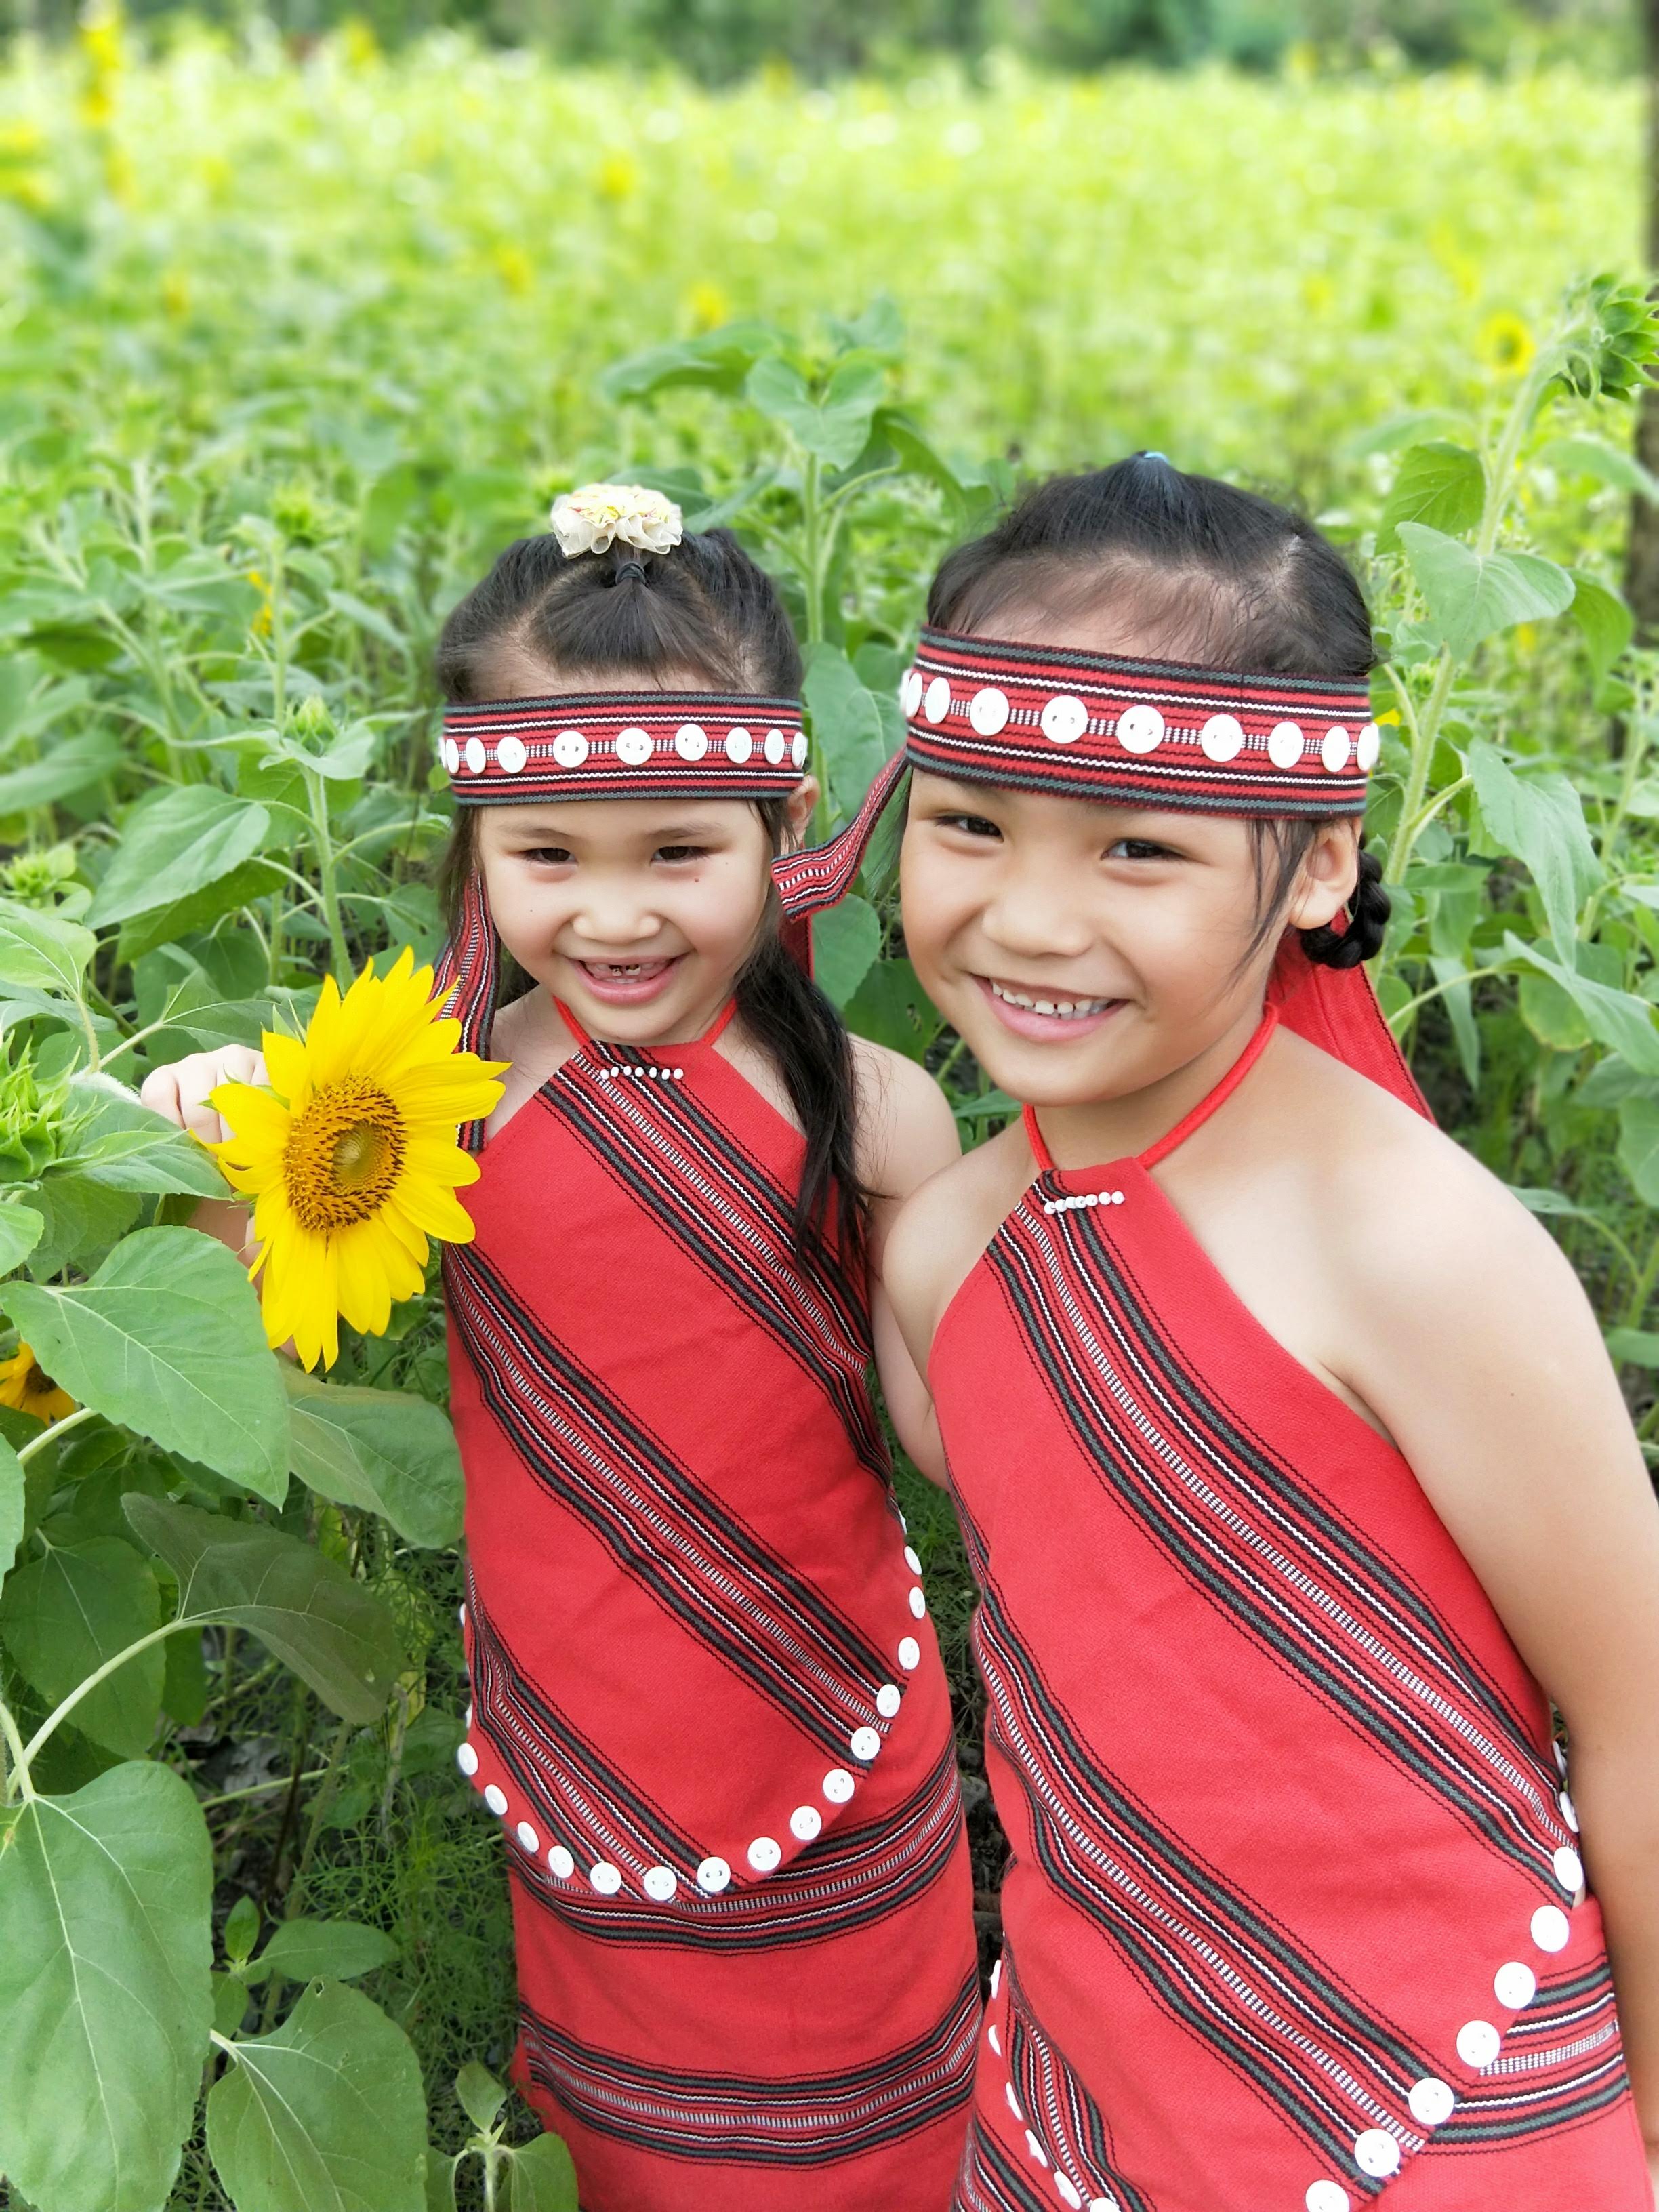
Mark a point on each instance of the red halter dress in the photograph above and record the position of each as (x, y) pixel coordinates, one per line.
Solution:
(710, 1708)
(1291, 1915)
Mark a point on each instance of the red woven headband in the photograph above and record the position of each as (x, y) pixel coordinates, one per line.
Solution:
(624, 745)
(1138, 732)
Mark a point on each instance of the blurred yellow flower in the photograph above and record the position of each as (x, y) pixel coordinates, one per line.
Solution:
(1505, 343)
(707, 305)
(19, 140)
(29, 188)
(261, 623)
(1448, 250)
(359, 47)
(27, 1389)
(118, 180)
(99, 40)
(618, 176)
(175, 296)
(514, 267)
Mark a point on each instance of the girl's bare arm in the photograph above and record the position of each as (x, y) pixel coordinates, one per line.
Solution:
(1483, 1358)
(907, 1134)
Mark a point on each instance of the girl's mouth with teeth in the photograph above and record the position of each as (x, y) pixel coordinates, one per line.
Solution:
(1034, 1011)
(626, 983)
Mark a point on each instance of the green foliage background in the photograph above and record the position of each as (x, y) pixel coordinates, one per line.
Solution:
(289, 348)
(719, 41)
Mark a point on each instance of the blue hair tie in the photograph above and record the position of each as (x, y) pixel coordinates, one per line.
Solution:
(1164, 458)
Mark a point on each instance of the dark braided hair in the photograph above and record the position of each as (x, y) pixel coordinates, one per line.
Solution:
(705, 609)
(1204, 573)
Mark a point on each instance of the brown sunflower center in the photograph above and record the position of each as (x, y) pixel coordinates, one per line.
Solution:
(344, 1155)
(39, 1384)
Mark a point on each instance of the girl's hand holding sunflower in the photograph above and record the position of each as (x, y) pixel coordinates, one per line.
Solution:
(349, 1155)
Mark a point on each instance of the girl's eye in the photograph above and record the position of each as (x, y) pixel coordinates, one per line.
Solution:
(681, 854)
(971, 825)
(1138, 848)
(548, 856)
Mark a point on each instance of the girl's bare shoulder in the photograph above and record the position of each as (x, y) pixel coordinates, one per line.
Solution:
(906, 1130)
(529, 1033)
(1405, 1212)
(944, 1228)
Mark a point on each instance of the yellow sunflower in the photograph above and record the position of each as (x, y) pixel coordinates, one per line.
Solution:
(1505, 344)
(350, 1157)
(25, 1384)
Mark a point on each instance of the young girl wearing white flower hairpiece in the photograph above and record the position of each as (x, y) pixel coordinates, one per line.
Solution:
(708, 1706)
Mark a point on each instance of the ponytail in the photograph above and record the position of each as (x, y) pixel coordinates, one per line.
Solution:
(1368, 922)
(1369, 904)
(808, 1044)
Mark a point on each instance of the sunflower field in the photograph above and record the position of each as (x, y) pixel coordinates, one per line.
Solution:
(292, 343)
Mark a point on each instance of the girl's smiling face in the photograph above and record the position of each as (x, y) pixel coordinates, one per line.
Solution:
(1086, 951)
(637, 913)
(1137, 930)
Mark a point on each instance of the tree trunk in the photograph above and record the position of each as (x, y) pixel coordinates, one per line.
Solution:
(1642, 561)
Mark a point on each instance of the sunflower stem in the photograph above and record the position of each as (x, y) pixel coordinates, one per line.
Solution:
(94, 1063)
(20, 1760)
(60, 1712)
(323, 846)
(51, 1435)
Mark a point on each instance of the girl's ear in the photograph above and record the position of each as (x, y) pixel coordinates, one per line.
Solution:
(799, 810)
(1328, 876)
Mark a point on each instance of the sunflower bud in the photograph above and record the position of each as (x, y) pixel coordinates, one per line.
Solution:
(310, 721)
(1610, 341)
(33, 1117)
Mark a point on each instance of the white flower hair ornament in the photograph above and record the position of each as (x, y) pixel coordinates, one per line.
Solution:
(596, 516)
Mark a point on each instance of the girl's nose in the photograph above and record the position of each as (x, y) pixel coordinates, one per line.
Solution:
(614, 918)
(1029, 912)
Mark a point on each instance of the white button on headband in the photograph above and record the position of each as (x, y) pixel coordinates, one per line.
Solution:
(1222, 737)
(1064, 720)
(1141, 729)
(988, 711)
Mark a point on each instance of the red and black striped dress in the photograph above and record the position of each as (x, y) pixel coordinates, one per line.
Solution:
(1291, 1915)
(708, 1705)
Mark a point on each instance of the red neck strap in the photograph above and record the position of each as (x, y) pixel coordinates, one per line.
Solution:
(1183, 1128)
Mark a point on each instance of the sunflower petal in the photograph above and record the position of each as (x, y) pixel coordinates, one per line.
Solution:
(435, 1209)
(285, 1064)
